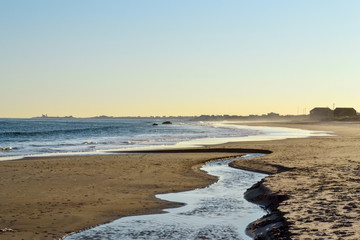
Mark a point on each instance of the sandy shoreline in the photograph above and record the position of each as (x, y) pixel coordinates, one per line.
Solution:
(46, 198)
(319, 178)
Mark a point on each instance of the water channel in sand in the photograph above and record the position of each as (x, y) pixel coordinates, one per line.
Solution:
(215, 212)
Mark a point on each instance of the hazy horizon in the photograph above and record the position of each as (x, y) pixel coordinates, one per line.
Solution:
(153, 116)
(172, 58)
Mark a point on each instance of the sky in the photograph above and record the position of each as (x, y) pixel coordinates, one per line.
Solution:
(180, 57)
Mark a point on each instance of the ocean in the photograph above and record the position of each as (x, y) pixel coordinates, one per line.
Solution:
(51, 136)
(44, 137)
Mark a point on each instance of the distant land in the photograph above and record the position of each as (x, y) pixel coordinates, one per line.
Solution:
(269, 116)
(264, 117)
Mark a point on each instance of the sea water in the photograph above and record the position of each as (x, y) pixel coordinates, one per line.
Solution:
(43, 137)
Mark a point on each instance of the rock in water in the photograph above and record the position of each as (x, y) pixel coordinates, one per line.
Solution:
(6, 149)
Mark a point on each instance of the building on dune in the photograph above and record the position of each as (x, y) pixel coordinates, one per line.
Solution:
(344, 112)
(326, 114)
(321, 114)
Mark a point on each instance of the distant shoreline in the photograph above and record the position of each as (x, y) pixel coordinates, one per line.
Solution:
(253, 117)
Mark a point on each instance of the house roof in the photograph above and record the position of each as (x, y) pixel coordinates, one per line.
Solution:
(345, 109)
(321, 109)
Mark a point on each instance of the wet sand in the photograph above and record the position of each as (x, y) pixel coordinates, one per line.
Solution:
(47, 198)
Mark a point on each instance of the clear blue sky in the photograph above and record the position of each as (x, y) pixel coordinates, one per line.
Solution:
(120, 58)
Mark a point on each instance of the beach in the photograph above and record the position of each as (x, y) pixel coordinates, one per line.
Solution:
(48, 198)
(318, 178)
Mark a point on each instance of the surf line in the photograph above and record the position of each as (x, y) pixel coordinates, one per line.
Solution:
(213, 214)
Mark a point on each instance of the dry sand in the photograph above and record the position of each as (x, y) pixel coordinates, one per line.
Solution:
(319, 176)
(46, 198)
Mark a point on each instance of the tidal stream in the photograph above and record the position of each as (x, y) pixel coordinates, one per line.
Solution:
(218, 211)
